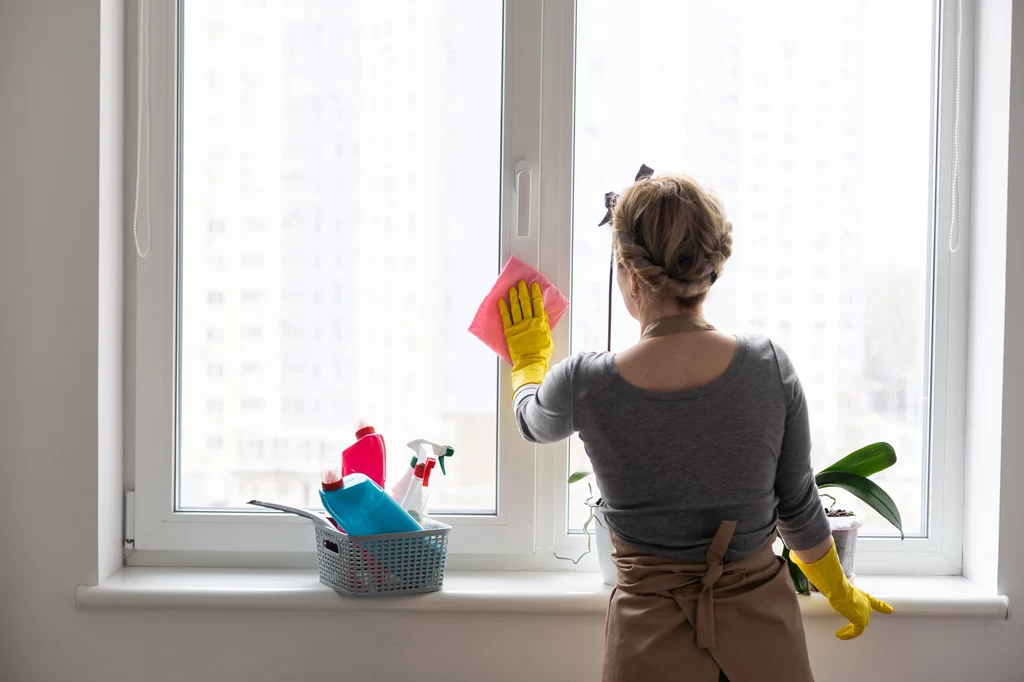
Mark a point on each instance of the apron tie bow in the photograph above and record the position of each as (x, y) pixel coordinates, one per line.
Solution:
(712, 576)
(705, 616)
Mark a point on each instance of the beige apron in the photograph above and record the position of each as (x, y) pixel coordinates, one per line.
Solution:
(694, 622)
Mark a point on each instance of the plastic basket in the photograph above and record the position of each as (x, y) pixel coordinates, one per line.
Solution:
(380, 565)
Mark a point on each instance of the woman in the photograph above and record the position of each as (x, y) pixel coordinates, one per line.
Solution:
(701, 447)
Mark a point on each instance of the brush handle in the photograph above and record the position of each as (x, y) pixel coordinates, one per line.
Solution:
(315, 518)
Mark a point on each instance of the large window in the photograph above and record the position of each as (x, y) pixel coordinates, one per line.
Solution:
(336, 185)
(813, 121)
(333, 155)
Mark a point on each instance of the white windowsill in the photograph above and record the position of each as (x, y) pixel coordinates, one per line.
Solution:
(464, 591)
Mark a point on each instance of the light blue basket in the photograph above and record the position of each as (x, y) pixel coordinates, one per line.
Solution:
(380, 565)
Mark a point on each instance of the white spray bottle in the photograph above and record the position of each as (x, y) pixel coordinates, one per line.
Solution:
(423, 449)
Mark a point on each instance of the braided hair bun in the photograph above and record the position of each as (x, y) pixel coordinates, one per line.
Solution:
(673, 235)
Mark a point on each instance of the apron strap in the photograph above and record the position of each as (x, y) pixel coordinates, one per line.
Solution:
(705, 617)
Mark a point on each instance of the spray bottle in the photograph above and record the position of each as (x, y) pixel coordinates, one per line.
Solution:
(423, 449)
(431, 463)
(401, 488)
(414, 501)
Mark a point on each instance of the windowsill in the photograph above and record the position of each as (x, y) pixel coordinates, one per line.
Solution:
(519, 592)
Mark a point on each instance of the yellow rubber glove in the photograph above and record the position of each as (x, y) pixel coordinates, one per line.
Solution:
(528, 335)
(849, 602)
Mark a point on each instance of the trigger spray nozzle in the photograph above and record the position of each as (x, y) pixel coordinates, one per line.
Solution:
(427, 449)
(448, 452)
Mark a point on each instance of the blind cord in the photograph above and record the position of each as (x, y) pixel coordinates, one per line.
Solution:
(954, 218)
(143, 86)
(611, 278)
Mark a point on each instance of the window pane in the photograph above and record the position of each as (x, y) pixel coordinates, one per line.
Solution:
(340, 179)
(812, 121)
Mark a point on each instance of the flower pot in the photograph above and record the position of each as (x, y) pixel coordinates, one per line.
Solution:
(844, 532)
(603, 537)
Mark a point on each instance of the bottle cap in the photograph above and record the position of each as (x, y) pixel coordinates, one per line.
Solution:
(430, 467)
(331, 478)
(365, 431)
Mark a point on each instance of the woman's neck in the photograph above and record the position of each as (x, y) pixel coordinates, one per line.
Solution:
(667, 309)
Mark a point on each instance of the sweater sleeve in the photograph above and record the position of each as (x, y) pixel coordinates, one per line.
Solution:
(544, 411)
(802, 519)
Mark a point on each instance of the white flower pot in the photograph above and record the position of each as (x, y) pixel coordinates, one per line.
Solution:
(603, 537)
(845, 530)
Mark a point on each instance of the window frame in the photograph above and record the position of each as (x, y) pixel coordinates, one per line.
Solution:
(158, 526)
(530, 526)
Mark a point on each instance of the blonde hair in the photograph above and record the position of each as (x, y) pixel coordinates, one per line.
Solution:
(673, 235)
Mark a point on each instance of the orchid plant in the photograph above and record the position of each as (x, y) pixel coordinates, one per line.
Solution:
(851, 473)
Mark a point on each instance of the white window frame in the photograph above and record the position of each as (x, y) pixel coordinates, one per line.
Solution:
(530, 524)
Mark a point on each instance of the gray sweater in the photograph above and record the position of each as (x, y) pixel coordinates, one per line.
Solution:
(672, 465)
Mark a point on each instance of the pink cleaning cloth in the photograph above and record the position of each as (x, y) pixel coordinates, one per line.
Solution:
(487, 325)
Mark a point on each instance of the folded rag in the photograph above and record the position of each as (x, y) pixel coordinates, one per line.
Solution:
(487, 325)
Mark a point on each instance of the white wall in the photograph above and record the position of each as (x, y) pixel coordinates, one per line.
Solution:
(1011, 516)
(60, 255)
(57, 413)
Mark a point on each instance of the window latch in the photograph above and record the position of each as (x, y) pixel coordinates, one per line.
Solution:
(523, 183)
(129, 520)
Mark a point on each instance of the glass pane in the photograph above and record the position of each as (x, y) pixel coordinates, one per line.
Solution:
(334, 155)
(812, 121)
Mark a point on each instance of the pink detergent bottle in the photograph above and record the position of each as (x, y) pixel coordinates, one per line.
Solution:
(366, 456)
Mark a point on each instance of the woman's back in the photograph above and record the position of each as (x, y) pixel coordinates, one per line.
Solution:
(686, 431)
(677, 362)
(700, 444)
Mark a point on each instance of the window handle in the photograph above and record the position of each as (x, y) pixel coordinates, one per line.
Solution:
(523, 184)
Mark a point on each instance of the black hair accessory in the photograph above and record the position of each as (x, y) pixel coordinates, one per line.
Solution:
(612, 198)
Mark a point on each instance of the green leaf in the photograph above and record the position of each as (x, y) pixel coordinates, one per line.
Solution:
(865, 489)
(867, 461)
(799, 579)
(583, 473)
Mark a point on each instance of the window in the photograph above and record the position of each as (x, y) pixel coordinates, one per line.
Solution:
(376, 192)
(252, 225)
(249, 448)
(252, 261)
(252, 368)
(849, 121)
(252, 404)
(253, 296)
(252, 332)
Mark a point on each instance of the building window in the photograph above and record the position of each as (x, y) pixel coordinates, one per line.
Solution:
(249, 448)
